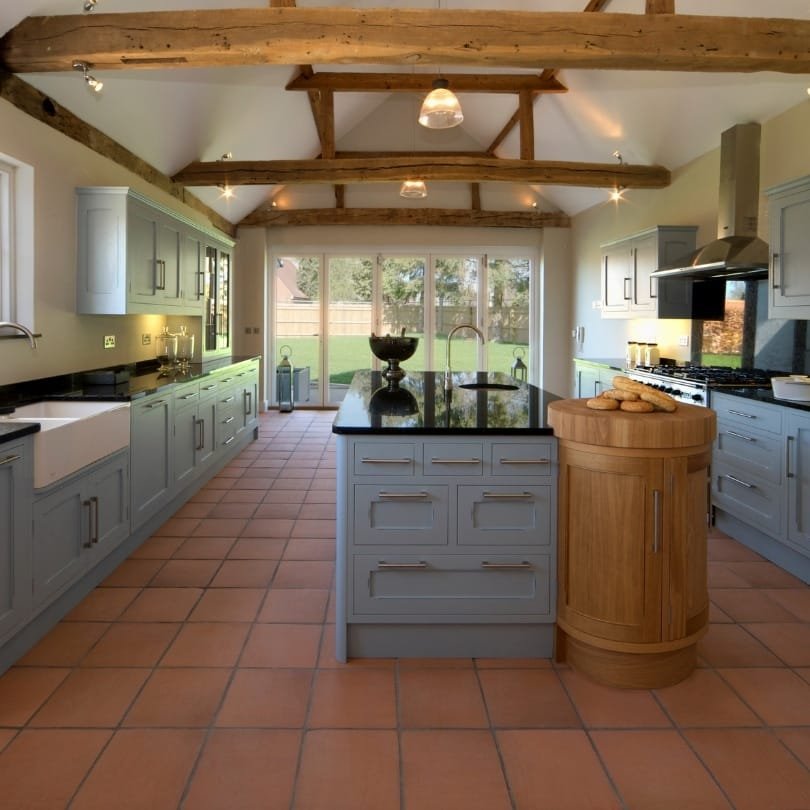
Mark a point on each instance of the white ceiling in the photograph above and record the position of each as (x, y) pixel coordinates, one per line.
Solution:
(172, 117)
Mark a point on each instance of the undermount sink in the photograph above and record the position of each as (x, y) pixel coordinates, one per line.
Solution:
(72, 434)
(489, 386)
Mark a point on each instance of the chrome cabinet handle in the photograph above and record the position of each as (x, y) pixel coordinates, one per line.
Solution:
(248, 403)
(738, 481)
(156, 404)
(386, 566)
(209, 387)
(656, 521)
(655, 293)
(624, 291)
(508, 496)
(228, 399)
(524, 461)
(742, 413)
(160, 272)
(405, 496)
(741, 436)
(385, 460)
(188, 396)
(788, 472)
(94, 504)
(228, 420)
(492, 566)
(455, 461)
(228, 441)
(89, 543)
(200, 425)
(774, 259)
(200, 275)
(9, 460)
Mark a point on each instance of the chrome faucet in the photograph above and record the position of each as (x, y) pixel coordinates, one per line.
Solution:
(20, 328)
(448, 377)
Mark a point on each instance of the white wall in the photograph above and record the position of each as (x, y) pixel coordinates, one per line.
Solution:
(69, 342)
(691, 199)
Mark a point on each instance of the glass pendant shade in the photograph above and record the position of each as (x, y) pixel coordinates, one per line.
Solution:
(413, 188)
(441, 108)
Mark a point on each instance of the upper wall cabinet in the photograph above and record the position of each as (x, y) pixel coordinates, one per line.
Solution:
(628, 288)
(789, 216)
(135, 257)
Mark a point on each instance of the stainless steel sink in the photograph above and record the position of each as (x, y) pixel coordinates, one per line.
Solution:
(488, 386)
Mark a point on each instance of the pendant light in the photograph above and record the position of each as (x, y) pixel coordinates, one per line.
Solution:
(413, 189)
(441, 108)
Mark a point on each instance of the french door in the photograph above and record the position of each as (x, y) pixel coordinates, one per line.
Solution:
(325, 306)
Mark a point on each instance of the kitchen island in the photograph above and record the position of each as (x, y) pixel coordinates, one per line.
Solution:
(446, 518)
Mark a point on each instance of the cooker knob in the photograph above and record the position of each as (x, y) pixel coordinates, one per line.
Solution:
(697, 397)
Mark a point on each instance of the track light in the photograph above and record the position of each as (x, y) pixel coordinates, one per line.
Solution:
(618, 190)
(89, 5)
(227, 191)
(92, 82)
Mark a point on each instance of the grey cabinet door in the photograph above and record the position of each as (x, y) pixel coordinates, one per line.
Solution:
(141, 244)
(798, 431)
(207, 421)
(62, 535)
(16, 495)
(186, 441)
(394, 514)
(790, 246)
(151, 456)
(108, 492)
(515, 515)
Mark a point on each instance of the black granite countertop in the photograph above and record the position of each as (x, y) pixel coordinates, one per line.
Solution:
(618, 363)
(765, 395)
(9, 431)
(136, 380)
(421, 405)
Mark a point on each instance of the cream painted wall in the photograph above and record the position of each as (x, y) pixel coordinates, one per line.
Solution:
(69, 342)
(691, 199)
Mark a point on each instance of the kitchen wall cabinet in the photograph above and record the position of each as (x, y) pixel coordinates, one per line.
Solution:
(761, 477)
(628, 288)
(591, 378)
(216, 299)
(789, 280)
(78, 522)
(455, 538)
(135, 257)
(16, 500)
(632, 542)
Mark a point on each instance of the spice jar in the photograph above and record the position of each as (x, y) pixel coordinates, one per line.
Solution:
(651, 354)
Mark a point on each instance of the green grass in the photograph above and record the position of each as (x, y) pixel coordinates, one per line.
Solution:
(731, 360)
(348, 354)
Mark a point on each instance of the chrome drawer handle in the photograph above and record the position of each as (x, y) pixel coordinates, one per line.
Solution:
(741, 436)
(741, 413)
(788, 472)
(413, 496)
(455, 461)
(229, 399)
(525, 461)
(188, 396)
(9, 460)
(228, 420)
(209, 387)
(491, 566)
(509, 496)
(157, 404)
(385, 566)
(738, 481)
(385, 460)
(228, 441)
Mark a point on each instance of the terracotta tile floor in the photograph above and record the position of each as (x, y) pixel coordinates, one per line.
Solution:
(200, 675)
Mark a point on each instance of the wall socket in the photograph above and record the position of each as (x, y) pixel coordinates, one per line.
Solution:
(146, 339)
(109, 341)
(683, 340)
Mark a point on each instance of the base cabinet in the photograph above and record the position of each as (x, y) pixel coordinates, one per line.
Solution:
(632, 542)
(16, 499)
(448, 543)
(77, 523)
(151, 447)
(798, 474)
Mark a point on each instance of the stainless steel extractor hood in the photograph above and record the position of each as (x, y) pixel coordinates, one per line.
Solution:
(737, 252)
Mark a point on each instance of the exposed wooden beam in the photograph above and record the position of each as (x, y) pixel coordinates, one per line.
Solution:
(291, 36)
(423, 82)
(405, 216)
(400, 153)
(526, 115)
(660, 7)
(340, 196)
(322, 103)
(282, 3)
(386, 170)
(39, 106)
(475, 196)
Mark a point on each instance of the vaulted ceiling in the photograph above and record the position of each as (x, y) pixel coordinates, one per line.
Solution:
(634, 90)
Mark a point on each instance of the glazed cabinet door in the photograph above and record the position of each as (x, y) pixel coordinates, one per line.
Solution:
(610, 545)
(789, 214)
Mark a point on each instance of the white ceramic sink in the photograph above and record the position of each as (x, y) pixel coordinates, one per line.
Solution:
(72, 435)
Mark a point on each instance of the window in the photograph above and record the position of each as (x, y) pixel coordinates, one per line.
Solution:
(16, 241)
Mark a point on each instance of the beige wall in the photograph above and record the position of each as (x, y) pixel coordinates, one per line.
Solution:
(69, 342)
(691, 199)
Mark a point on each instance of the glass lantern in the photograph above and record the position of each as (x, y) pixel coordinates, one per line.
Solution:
(284, 381)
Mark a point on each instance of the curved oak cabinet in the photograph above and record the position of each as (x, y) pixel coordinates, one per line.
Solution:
(632, 599)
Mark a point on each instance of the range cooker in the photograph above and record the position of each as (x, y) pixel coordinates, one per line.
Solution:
(694, 384)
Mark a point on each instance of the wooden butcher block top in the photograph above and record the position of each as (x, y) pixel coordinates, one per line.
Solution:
(688, 426)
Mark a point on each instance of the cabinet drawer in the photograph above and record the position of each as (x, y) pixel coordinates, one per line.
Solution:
(748, 498)
(209, 387)
(400, 514)
(186, 394)
(531, 459)
(756, 452)
(748, 414)
(456, 459)
(378, 458)
(461, 585)
(504, 515)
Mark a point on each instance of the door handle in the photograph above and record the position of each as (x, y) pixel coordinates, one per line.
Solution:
(248, 403)
(508, 496)
(417, 566)
(94, 505)
(89, 505)
(200, 424)
(491, 566)
(160, 273)
(776, 258)
(9, 460)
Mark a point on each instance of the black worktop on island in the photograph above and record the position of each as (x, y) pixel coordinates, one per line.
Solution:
(11, 431)
(135, 380)
(421, 405)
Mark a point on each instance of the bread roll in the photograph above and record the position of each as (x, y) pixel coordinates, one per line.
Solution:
(618, 393)
(602, 404)
(659, 400)
(636, 406)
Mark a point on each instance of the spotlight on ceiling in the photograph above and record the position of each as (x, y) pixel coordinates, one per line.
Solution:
(92, 82)
(89, 5)
(440, 109)
(413, 189)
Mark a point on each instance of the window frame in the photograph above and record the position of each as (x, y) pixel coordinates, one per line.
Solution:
(16, 241)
